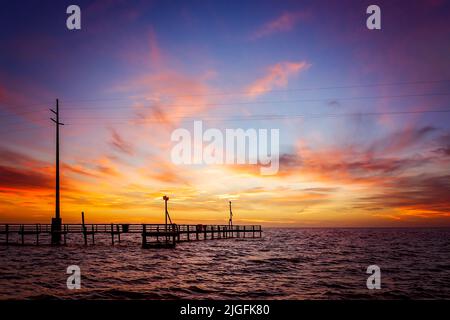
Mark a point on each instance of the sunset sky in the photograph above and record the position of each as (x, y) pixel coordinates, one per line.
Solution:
(363, 114)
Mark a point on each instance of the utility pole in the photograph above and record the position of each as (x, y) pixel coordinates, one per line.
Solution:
(56, 221)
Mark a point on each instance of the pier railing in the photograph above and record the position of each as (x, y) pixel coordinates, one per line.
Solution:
(153, 235)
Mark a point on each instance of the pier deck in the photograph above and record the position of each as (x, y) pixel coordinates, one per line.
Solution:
(153, 235)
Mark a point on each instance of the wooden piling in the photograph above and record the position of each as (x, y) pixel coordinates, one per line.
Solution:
(175, 235)
(144, 235)
(175, 231)
(83, 226)
(112, 234)
(65, 234)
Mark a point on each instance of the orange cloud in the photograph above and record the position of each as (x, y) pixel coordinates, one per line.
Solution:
(421, 195)
(166, 97)
(12, 178)
(78, 170)
(277, 76)
(165, 172)
(22, 172)
(385, 180)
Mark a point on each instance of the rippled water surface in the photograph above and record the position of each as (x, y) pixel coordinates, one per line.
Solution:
(284, 264)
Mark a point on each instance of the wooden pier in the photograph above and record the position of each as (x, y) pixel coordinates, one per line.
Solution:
(153, 235)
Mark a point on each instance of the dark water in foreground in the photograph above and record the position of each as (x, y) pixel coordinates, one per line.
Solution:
(284, 264)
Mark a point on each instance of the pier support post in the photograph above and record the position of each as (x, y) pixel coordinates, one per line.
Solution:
(56, 230)
(65, 234)
(176, 235)
(112, 234)
(144, 235)
(23, 233)
(83, 226)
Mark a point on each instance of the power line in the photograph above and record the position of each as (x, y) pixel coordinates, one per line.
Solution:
(273, 116)
(252, 102)
(244, 118)
(22, 129)
(279, 90)
(247, 117)
(280, 101)
(15, 114)
(399, 83)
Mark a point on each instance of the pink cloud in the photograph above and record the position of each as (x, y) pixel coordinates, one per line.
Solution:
(284, 23)
(120, 144)
(277, 76)
(163, 93)
(155, 51)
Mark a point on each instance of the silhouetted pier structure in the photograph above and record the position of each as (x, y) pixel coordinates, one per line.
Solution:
(153, 235)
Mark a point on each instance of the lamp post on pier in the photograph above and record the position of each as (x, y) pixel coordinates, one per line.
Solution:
(167, 216)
